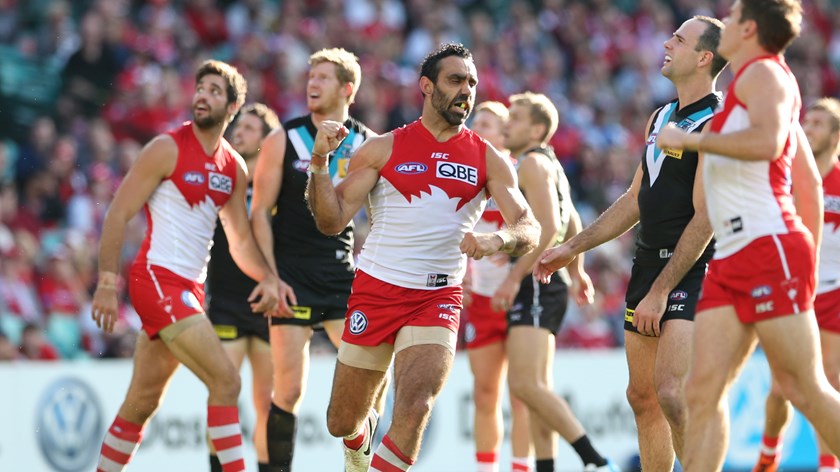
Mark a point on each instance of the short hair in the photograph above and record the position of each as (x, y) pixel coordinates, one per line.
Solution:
(347, 68)
(497, 108)
(543, 111)
(237, 87)
(266, 115)
(710, 40)
(431, 64)
(832, 107)
(778, 21)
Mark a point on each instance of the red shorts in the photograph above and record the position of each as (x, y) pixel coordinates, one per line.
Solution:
(484, 324)
(377, 310)
(827, 308)
(162, 297)
(773, 276)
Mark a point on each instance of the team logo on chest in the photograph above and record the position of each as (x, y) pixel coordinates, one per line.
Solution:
(220, 183)
(411, 168)
(194, 178)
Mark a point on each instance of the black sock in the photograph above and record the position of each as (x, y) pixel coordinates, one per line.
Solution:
(261, 467)
(587, 453)
(545, 465)
(215, 465)
(280, 437)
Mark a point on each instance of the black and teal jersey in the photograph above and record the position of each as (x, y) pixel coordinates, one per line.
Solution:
(224, 278)
(311, 262)
(666, 195)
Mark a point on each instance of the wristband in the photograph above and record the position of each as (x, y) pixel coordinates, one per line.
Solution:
(318, 170)
(322, 156)
(508, 241)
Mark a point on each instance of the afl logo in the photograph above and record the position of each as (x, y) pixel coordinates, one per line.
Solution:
(679, 295)
(301, 165)
(411, 168)
(194, 178)
(69, 425)
(358, 322)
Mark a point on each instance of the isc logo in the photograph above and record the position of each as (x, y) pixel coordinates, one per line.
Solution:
(220, 183)
(440, 155)
(411, 168)
(451, 170)
(194, 178)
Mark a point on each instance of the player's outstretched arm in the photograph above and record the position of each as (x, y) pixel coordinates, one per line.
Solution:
(268, 179)
(333, 207)
(244, 249)
(155, 162)
(522, 231)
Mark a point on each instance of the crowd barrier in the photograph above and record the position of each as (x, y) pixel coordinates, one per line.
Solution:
(54, 416)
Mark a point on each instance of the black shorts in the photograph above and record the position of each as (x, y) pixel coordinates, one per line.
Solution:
(540, 305)
(313, 316)
(233, 319)
(682, 301)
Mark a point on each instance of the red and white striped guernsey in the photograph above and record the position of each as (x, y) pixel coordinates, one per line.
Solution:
(429, 195)
(181, 213)
(749, 199)
(829, 265)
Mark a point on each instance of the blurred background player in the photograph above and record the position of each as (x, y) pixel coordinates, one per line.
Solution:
(486, 328)
(822, 127)
(536, 310)
(319, 268)
(243, 333)
(185, 179)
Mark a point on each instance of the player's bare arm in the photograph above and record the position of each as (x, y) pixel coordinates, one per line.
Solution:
(537, 181)
(268, 179)
(155, 162)
(616, 220)
(582, 289)
(334, 206)
(522, 231)
(689, 248)
(770, 119)
(807, 187)
(244, 249)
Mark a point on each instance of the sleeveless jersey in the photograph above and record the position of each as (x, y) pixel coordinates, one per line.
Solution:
(305, 256)
(747, 200)
(666, 194)
(829, 266)
(224, 277)
(181, 213)
(487, 274)
(429, 195)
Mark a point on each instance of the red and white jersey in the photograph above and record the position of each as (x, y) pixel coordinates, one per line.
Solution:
(749, 199)
(488, 273)
(829, 266)
(429, 195)
(181, 213)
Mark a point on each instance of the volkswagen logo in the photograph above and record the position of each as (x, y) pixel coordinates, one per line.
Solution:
(69, 425)
(358, 322)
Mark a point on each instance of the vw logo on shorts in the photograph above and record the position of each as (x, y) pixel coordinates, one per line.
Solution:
(69, 425)
(358, 322)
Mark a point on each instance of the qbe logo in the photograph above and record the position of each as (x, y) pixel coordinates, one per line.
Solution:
(455, 171)
(358, 322)
(69, 425)
(220, 183)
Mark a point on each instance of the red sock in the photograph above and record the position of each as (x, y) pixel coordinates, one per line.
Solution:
(389, 458)
(119, 445)
(357, 442)
(487, 461)
(770, 446)
(226, 434)
(828, 463)
(521, 464)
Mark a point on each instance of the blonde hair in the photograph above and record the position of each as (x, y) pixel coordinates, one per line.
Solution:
(347, 68)
(543, 111)
(497, 108)
(832, 107)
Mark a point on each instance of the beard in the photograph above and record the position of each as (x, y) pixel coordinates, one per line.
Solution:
(212, 119)
(443, 105)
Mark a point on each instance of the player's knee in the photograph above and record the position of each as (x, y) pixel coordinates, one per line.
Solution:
(832, 371)
(288, 395)
(486, 397)
(143, 404)
(671, 400)
(641, 400)
(340, 425)
(525, 389)
(226, 387)
(414, 409)
(796, 393)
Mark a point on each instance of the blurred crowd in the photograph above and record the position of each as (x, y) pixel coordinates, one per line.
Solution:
(85, 83)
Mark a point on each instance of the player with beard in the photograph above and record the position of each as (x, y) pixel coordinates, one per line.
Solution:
(243, 332)
(427, 184)
(318, 268)
(185, 179)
